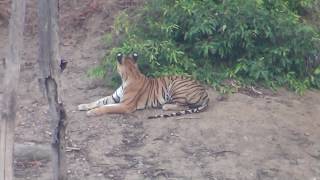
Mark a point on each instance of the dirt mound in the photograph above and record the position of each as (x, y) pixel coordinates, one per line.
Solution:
(239, 137)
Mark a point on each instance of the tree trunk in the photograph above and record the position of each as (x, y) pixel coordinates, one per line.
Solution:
(11, 81)
(49, 63)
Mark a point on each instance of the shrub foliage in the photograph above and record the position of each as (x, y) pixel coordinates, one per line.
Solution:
(264, 42)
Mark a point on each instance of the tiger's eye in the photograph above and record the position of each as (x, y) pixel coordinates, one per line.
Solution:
(135, 56)
(119, 57)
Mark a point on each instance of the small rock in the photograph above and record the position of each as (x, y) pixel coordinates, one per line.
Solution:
(245, 138)
(222, 97)
(314, 151)
(48, 133)
(32, 152)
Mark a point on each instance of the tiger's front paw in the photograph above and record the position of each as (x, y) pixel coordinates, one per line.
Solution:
(83, 107)
(93, 112)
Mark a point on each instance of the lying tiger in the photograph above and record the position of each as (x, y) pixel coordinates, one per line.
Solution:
(176, 93)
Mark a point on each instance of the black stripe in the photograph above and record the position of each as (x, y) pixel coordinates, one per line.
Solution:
(195, 86)
(177, 93)
(117, 97)
(182, 83)
(163, 93)
(104, 101)
(117, 94)
(148, 84)
(187, 111)
(115, 100)
(175, 99)
(165, 83)
(153, 93)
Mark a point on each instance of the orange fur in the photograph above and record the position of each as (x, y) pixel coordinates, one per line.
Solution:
(141, 92)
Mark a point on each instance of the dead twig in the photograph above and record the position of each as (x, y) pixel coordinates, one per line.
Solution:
(222, 153)
(256, 91)
(70, 149)
(186, 117)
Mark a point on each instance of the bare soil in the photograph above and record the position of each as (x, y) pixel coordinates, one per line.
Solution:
(241, 137)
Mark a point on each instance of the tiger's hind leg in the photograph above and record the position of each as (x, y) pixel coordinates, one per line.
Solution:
(174, 107)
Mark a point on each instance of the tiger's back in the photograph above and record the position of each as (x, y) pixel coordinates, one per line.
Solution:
(180, 90)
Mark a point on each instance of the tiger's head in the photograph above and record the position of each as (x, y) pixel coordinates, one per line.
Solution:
(127, 66)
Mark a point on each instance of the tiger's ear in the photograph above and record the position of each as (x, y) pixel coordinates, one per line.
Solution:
(119, 57)
(135, 56)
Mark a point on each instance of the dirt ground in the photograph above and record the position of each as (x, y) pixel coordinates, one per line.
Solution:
(273, 136)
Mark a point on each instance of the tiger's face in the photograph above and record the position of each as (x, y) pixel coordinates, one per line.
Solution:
(127, 65)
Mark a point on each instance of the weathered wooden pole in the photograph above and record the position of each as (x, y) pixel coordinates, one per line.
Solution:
(50, 68)
(11, 80)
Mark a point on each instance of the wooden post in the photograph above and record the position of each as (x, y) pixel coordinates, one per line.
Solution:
(50, 63)
(11, 80)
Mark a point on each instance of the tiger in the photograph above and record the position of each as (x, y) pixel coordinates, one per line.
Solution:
(181, 94)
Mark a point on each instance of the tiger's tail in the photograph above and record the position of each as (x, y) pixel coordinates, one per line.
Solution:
(184, 112)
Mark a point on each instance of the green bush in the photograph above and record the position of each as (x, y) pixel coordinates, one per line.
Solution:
(262, 42)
